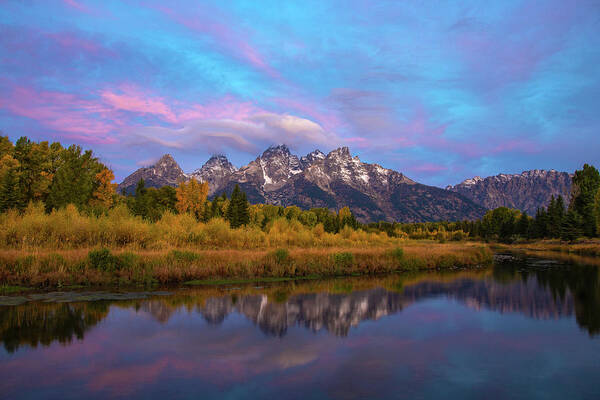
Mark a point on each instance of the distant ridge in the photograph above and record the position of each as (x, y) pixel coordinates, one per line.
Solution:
(526, 191)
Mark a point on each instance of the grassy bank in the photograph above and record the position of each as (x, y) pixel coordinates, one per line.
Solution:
(56, 268)
(588, 248)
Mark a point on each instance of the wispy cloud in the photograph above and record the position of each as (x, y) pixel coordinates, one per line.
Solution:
(249, 135)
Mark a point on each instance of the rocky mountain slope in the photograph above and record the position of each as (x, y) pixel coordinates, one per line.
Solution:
(335, 180)
(166, 172)
(526, 191)
(215, 171)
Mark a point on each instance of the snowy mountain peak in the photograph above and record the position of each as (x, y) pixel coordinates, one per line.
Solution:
(312, 157)
(280, 150)
(214, 171)
(341, 154)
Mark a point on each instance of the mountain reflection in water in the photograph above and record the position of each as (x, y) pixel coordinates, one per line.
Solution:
(536, 290)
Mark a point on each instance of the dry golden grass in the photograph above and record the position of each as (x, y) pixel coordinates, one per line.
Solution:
(69, 229)
(42, 267)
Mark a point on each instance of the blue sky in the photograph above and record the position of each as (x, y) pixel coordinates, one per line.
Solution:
(440, 91)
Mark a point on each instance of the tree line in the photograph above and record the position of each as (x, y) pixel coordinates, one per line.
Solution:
(57, 176)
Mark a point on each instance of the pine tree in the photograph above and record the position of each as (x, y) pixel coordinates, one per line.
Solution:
(9, 184)
(523, 225)
(586, 183)
(540, 224)
(555, 216)
(231, 214)
(139, 206)
(243, 209)
(571, 228)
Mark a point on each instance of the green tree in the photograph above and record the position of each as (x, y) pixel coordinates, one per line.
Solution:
(238, 211)
(555, 216)
(500, 223)
(139, 204)
(539, 226)
(586, 183)
(9, 184)
(571, 228)
(523, 225)
(75, 179)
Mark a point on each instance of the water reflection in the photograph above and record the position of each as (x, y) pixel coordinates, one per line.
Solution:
(540, 290)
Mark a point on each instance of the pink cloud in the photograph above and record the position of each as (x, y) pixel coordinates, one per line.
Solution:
(130, 99)
(225, 108)
(80, 118)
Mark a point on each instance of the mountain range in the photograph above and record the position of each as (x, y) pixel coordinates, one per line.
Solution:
(372, 192)
(526, 191)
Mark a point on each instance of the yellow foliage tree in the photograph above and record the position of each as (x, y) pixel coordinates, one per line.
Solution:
(344, 213)
(191, 197)
(104, 195)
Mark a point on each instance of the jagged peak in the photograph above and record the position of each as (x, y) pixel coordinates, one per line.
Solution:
(165, 162)
(276, 149)
(340, 152)
(315, 154)
(219, 157)
(216, 161)
(165, 158)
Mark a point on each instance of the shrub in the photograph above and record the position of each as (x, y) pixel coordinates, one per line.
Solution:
(398, 253)
(343, 260)
(103, 260)
(281, 256)
(441, 237)
(127, 260)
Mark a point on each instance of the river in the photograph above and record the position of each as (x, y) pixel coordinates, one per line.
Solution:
(524, 328)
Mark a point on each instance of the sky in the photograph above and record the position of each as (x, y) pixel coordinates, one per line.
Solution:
(441, 91)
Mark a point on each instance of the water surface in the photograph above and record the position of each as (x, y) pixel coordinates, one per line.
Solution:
(519, 330)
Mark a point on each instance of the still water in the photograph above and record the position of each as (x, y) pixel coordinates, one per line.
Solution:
(520, 330)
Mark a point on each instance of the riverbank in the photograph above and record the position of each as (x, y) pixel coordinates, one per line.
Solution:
(588, 247)
(97, 266)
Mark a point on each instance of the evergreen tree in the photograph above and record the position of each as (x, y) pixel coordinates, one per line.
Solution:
(586, 183)
(523, 225)
(238, 211)
(555, 216)
(139, 205)
(243, 209)
(9, 184)
(231, 213)
(540, 225)
(571, 228)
